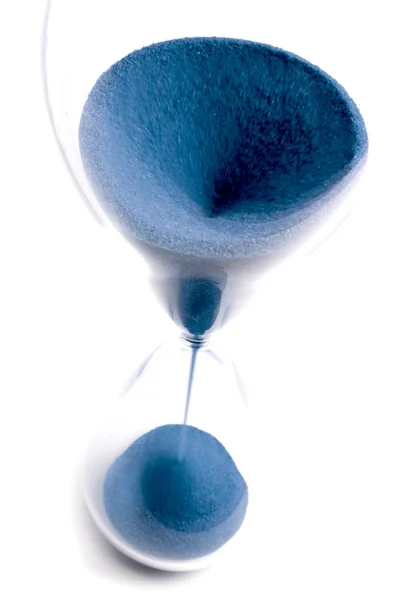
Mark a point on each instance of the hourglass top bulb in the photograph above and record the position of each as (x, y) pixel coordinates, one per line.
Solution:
(218, 148)
(215, 157)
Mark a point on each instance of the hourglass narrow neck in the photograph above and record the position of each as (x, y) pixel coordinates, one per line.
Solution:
(196, 342)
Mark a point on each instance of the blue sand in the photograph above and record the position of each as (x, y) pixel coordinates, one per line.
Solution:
(198, 304)
(171, 508)
(217, 148)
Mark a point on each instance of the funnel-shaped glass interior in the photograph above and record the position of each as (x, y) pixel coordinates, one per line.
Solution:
(210, 146)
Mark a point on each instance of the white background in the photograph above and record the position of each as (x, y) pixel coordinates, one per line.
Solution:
(325, 383)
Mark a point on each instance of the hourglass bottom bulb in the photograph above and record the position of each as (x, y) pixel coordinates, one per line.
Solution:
(175, 493)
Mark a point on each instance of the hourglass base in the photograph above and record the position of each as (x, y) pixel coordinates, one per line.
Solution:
(164, 477)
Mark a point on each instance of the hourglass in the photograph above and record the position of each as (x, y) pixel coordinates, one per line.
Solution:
(214, 156)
